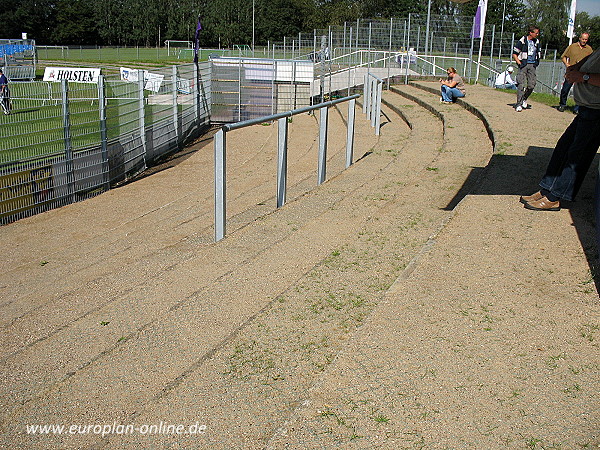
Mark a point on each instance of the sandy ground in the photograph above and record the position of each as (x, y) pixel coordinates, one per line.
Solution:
(409, 302)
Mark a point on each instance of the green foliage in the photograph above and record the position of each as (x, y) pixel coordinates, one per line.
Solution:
(552, 17)
(228, 22)
(585, 23)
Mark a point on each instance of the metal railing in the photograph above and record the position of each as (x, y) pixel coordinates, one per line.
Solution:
(220, 148)
(373, 87)
(70, 141)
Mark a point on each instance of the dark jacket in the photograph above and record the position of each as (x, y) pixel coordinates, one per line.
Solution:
(520, 50)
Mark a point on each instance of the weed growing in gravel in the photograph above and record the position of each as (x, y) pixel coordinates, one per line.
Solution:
(380, 418)
(572, 391)
(553, 360)
(588, 331)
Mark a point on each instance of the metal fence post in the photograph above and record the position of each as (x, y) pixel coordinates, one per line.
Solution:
(378, 108)
(196, 96)
(350, 133)
(70, 175)
(239, 80)
(373, 101)
(389, 58)
(175, 109)
(553, 67)
(321, 173)
(220, 184)
(142, 110)
(349, 62)
(103, 133)
(366, 95)
(282, 161)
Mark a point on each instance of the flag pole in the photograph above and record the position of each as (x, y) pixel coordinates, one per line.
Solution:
(482, 10)
(571, 26)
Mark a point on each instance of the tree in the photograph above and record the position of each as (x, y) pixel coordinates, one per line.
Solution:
(585, 23)
(552, 17)
(74, 23)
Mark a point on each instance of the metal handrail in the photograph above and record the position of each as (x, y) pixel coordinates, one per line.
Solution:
(373, 86)
(220, 152)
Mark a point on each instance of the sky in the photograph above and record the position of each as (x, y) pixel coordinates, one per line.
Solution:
(592, 7)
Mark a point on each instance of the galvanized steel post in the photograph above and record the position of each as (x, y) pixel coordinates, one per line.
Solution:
(67, 137)
(350, 133)
(141, 110)
(175, 111)
(322, 168)
(366, 95)
(282, 161)
(220, 185)
(103, 133)
(374, 84)
(378, 108)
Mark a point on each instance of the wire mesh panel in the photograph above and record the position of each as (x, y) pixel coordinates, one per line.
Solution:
(65, 142)
(18, 58)
(242, 89)
(248, 88)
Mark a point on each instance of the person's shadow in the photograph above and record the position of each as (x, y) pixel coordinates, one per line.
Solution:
(519, 175)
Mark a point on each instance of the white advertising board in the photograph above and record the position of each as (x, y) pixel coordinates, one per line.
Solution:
(152, 81)
(75, 74)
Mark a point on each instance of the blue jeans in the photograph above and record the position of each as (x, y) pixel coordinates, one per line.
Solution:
(506, 86)
(564, 92)
(449, 94)
(573, 155)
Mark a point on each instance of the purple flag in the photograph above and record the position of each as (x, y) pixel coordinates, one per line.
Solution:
(479, 20)
(197, 41)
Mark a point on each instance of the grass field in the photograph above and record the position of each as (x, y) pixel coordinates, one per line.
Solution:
(36, 126)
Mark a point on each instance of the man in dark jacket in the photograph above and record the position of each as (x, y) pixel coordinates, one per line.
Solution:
(526, 54)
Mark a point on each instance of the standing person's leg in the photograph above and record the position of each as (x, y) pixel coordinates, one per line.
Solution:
(520, 85)
(573, 155)
(531, 81)
(564, 94)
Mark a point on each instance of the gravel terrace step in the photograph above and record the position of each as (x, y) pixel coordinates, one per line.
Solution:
(173, 315)
(491, 342)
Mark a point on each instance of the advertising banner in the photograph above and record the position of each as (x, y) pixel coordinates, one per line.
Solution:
(152, 81)
(75, 74)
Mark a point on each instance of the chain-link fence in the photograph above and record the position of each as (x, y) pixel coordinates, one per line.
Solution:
(67, 141)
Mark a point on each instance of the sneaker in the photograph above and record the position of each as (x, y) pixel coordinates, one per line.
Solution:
(561, 108)
(519, 108)
(525, 105)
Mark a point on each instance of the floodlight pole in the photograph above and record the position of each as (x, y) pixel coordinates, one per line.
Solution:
(253, 28)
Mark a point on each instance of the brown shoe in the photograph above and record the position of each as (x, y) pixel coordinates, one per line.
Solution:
(543, 204)
(531, 198)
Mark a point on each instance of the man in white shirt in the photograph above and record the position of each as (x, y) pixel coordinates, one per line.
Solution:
(504, 80)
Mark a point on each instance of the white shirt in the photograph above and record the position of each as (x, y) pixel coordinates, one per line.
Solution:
(504, 78)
